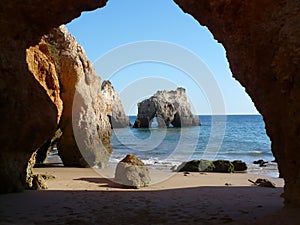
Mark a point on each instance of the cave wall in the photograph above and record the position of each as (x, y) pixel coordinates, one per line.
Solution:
(28, 115)
(262, 43)
(261, 39)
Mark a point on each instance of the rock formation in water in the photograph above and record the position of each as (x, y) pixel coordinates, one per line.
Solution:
(169, 107)
(114, 107)
(262, 42)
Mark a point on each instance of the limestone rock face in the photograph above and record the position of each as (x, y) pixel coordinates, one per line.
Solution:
(28, 115)
(262, 42)
(170, 107)
(132, 172)
(85, 126)
(41, 65)
(114, 107)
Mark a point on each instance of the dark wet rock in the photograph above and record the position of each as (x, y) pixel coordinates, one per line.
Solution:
(220, 166)
(260, 162)
(132, 172)
(196, 166)
(223, 166)
(239, 165)
(263, 183)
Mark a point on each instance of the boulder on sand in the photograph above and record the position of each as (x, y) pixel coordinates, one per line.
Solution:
(132, 172)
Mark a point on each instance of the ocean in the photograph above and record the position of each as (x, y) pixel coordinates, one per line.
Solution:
(231, 137)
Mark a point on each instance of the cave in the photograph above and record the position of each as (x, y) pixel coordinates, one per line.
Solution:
(262, 48)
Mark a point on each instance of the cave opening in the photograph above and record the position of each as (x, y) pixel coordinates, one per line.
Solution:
(137, 21)
(175, 27)
(272, 83)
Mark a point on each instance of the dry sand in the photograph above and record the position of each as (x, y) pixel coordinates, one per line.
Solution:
(81, 196)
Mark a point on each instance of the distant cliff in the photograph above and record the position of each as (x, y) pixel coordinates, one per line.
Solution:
(170, 108)
(114, 107)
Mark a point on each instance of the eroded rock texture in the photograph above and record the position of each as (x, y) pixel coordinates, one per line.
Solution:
(170, 107)
(114, 106)
(262, 41)
(61, 66)
(28, 115)
(132, 172)
(85, 126)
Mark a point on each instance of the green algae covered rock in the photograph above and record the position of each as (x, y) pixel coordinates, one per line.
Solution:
(197, 166)
(219, 166)
(223, 166)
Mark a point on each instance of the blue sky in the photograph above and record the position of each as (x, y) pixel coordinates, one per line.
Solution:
(123, 22)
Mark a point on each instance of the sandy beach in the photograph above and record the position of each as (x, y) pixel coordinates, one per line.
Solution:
(82, 196)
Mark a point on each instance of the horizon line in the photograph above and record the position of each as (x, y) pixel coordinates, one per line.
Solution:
(229, 114)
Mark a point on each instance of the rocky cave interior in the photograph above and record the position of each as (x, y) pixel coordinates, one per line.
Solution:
(262, 48)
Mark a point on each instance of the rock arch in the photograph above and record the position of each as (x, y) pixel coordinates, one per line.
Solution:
(262, 43)
(169, 107)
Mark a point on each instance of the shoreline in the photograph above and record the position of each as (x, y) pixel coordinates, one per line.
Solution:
(270, 170)
(82, 196)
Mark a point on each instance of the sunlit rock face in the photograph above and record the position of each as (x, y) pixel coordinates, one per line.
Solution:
(28, 114)
(169, 107)
(262, 42)
(42, 64)
(114, 107)
(85, 126)
(61, 66)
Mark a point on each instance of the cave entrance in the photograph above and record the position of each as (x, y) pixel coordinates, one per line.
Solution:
(123, 22)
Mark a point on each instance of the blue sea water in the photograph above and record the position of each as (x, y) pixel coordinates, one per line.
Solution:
(232, 137)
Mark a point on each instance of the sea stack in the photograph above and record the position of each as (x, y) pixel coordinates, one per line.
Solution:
(169, 107)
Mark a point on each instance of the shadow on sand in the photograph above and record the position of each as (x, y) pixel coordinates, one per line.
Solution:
(200, 205)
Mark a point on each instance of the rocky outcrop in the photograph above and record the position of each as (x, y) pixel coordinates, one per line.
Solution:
(262, 42)
(42, 65)
(114, 107)
(239, 165)
(61, 66)
(170, 107)
(132, 172)
(218, 166)
(85, 126)
(28, 115)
